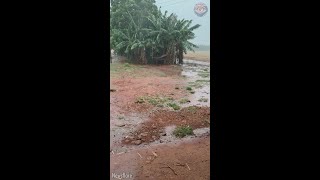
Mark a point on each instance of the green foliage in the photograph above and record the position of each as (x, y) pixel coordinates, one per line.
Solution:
(127, 65)
(158, 101)
(154, 100)
(203, 81)
(183, 131)
(174, 106)
(199, 83)
(140, 100)
(204, 74)
(141, 32)
(192, 109)
(203, 100)
(184, 101)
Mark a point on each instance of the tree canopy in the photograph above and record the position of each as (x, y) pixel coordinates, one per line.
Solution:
(142, 33)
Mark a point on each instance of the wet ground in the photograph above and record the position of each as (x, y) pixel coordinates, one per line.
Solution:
(143, 119)
(198, 76)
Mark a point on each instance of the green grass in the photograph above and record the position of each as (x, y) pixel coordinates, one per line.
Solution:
(160, 105)
(140, 100)
(174, 106)
(154, 100)
(127, 65)
(195, 84)
(207, 121)
(203, 100)
(159, 101)
(120, 117)
(184, 101)
(189, 88)
(161, 74)
(199, 83)
(118, 69)
(202, 81)
(192, 109)
(204, 74)
(183, 131)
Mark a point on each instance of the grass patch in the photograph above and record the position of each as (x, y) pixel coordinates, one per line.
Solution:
(189, 88)
(154, 100)
(114, 68)
(120, 117)
(195, 84)
(159, 101)
(204, 74)
(183, 131)
(207, 121)
(161, 74)
(160, 105)
(117, 69)
(128, 69)
(127, 65)
(184, 101)
(174, 106)
(203, 100)
(202, 81)
(199, 83)
(140, 100)
(192, 109)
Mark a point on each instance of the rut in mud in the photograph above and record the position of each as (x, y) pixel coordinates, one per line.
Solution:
(152, 130)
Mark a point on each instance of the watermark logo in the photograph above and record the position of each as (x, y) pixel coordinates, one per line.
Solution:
(121, 176)
(200, 9)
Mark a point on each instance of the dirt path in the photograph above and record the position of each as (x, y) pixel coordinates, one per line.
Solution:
(186, 160)
(147, 104)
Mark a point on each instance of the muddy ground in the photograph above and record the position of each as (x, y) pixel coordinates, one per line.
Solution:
(147, 104)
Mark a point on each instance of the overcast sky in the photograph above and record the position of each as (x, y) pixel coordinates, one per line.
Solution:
(184, 9)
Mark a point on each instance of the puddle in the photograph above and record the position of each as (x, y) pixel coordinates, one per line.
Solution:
(169, 138)
(194, 62)
(120, 126)
(197, 74)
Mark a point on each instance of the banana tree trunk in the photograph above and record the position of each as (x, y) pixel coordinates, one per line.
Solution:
(170, 54)
(174, 55)
(180, 56)
(143, 59)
